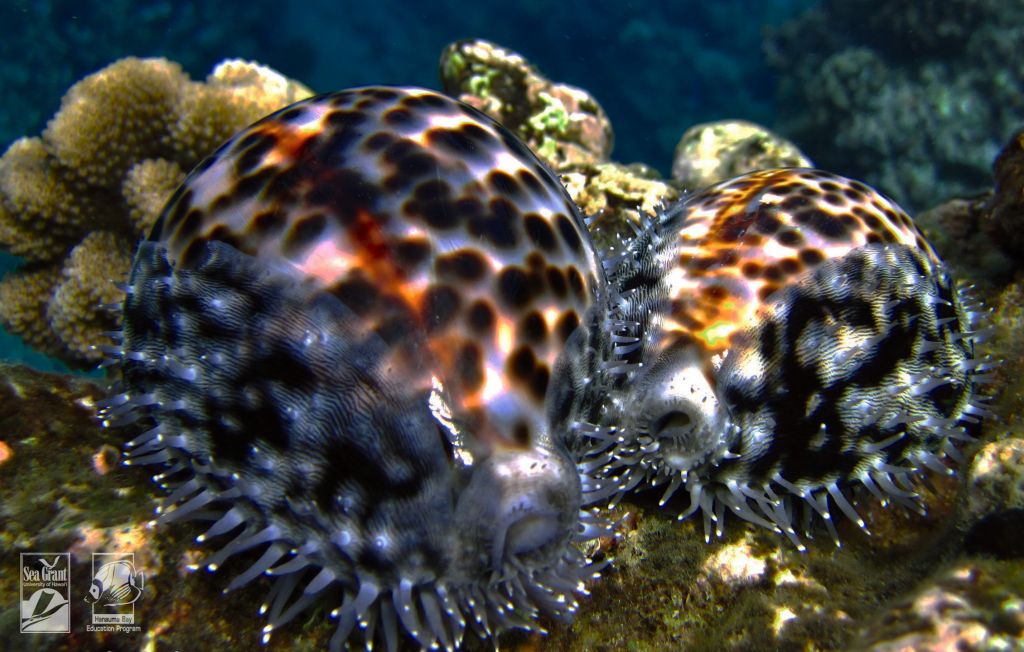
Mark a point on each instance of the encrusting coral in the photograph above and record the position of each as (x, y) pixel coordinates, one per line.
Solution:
(74, 201)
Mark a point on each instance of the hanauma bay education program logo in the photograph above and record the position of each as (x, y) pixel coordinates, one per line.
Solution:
(45, 592)
(115, 588)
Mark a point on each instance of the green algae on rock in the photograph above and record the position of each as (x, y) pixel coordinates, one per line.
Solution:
(562, 124)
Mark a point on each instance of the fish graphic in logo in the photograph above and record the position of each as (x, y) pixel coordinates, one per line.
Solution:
(45, 589)
(116, 585)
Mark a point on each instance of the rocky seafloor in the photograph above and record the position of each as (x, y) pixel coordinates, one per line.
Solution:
(950, 579)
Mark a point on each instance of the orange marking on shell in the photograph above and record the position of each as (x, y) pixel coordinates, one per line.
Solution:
(327, 262)
(723, 234)
(506, 336)
(373, 254)
(290, 140)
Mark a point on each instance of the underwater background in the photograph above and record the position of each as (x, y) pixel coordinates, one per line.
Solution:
(917, 99)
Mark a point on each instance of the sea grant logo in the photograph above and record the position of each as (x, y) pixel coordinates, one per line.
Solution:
(115, 588)
(45, 592)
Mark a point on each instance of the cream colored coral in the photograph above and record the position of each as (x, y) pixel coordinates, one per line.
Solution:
(116, 117)
(236, 94)
(44, 214)
(79, 197)
(86, 283)
(146, 188)
(23, 300)
(257, 83)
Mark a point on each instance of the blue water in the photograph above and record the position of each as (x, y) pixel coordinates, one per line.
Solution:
(656, 67)
(921, 119)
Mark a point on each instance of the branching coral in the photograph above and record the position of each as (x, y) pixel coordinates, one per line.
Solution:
(74, 201)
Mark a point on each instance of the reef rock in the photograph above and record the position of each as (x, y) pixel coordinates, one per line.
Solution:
(562, 124)
(716, 151)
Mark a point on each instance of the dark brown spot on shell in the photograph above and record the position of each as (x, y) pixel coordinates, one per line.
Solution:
(751, 269)
(521, 434)
(794, 204)
(570, 236)
(514, 287)
(790, 265)
(188, 227)
(576, 284)
(766, 222)
(221, 233)
(290, 114)
(466, 265)
(303, 234)
(398, 117)
(822, 223)
(556, 281)
(566, 325)
(378, 141)
(714, 292)
(520, 364)
(469, 366)
(496, 227)
(540, 232)
(790, 238)
(502, 183)
(532, 184)
(251, 150)
(480, 318)
(532, 329)
(440, 306)
(430, 102)
(344, 120)
(412, 252)
(773, 273)
(357, 293)
(812, 257)
(432, 201)
(767, 291)
(269, 223)
(539, 382)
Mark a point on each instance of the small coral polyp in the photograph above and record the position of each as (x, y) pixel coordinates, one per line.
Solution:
(359, 331)
(796, 336)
